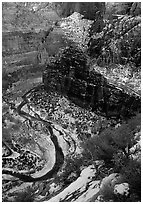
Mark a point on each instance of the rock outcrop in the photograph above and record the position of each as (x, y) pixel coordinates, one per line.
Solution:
(70, 75)
(130, 8)
(87, 189)
(80, 190)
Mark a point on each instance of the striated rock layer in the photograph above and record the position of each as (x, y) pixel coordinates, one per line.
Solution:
(70, 75)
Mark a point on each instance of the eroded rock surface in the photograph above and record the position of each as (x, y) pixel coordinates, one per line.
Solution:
(71, 75)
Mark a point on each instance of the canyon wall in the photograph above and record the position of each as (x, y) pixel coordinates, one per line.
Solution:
(71, 76)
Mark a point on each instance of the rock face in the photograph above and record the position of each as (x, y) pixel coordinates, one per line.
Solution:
(70, 75)
(19, 50)
(55, 41)
(81, 190)
(131, 8)
(22, 50)
(109, 45)
(18, 42)
(87, 9)
(87, 189)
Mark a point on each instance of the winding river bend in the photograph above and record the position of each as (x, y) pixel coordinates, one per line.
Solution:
(59, 155)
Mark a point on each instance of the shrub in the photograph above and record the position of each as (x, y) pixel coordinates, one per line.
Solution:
(119, 159)
(113, 146)
(25, 196)
(132, 173)
(6, 137)
(128, 166)
(72, 168)
(101, 146)
(113, 141)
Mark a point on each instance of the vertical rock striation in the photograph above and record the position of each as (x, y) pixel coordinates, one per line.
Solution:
(70, 74)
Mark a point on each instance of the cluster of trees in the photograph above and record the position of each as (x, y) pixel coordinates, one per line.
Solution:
(117, 147)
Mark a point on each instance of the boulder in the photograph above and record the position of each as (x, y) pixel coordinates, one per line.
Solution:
(121, 189)
(108, 184)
